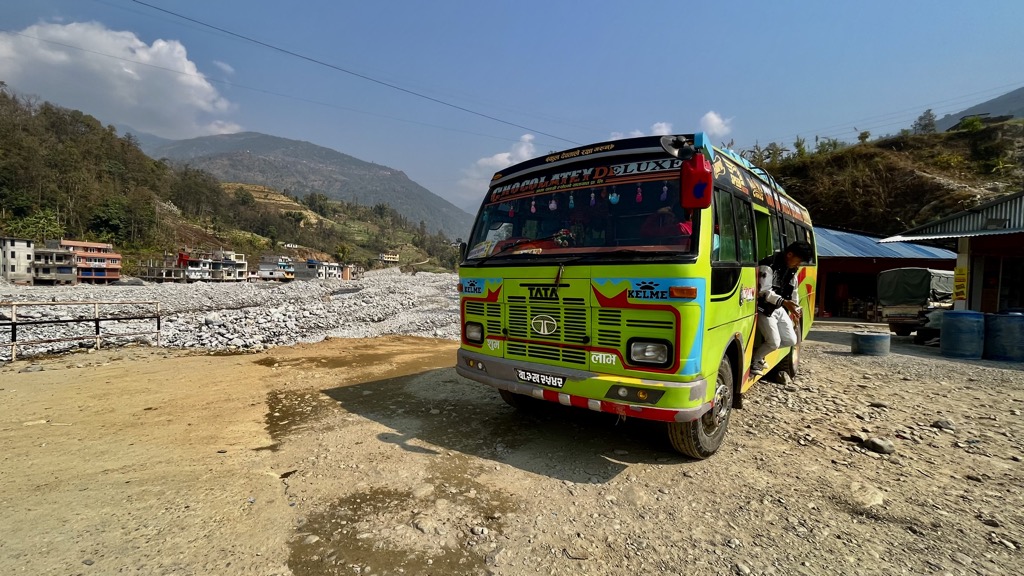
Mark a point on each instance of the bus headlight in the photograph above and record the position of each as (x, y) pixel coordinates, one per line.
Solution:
(475, 332)
(647, 352)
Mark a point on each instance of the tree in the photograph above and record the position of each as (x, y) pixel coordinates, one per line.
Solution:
(800, 147)
(925, 123)
(341, 252)
(863, 136)
(972, 124)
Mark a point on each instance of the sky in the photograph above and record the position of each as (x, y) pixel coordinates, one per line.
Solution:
(451, 91)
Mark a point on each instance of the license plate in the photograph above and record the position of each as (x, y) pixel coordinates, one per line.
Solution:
(542, 379)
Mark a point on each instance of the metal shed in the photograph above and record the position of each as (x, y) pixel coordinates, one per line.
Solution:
(849, 264)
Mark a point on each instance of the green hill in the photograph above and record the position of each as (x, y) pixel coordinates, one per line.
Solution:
(63, 174)
(302, 168)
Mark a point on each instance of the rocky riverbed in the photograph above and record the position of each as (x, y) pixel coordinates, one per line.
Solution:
(240, 316)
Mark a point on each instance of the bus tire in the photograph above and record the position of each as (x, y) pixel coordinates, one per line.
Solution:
(517, 401)
(789, 365)
(702, 437)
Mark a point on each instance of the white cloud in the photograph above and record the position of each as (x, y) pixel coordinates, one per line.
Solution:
(657, 129)
(715, 125)
(477, 177)
(224, 66)
(661, 128)
(165, 95)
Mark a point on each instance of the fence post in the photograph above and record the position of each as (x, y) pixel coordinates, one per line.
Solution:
(158, 324)
(14, 332)
(96, 315)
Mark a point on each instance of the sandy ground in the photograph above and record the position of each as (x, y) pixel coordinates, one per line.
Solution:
(374, 457)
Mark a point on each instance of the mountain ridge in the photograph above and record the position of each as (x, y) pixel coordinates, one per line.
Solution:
(1011, 103)
(300, 168)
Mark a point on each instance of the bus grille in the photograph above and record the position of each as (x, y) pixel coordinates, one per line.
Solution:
(489, 312)
(570, 314)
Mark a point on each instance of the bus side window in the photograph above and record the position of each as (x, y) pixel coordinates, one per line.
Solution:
(725, 228)
(809, 238)
(791, 235)
(745, 230)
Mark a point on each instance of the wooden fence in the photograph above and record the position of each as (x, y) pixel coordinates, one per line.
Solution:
(11, 322)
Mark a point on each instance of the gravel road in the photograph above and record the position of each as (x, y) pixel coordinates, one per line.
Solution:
(372, 456)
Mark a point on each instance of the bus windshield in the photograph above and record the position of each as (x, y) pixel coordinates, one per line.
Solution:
(570, 210)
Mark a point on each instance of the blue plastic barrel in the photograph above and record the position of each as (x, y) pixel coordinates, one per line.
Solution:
(870, 343)
(963, 334)
(1004, 337)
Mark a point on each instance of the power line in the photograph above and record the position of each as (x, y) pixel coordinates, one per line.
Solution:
(899, 117)
(356, 74)
(259, 90)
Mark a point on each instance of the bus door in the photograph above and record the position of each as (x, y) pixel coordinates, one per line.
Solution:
(733, 273)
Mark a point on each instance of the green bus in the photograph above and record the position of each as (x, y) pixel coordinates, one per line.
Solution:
(621, 277)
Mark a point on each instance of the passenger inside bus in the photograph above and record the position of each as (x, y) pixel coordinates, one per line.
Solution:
(667, 227)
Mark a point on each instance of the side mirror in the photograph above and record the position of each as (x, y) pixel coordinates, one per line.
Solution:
(696, 182)
(462, 251)
(696, 177)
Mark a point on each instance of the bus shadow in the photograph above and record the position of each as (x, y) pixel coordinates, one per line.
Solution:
(438, 411)
(905, 346)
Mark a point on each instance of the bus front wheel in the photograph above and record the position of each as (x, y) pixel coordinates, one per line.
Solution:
(702, 437)
(518, 401)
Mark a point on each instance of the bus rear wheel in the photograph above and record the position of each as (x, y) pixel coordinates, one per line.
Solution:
(702, 437)
(789, 365)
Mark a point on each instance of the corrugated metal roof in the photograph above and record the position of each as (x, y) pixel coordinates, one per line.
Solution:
(944, 235)
(1000, 216)
(839, 244)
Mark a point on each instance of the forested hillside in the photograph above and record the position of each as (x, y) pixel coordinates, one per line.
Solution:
(891, 184)
(64, 174)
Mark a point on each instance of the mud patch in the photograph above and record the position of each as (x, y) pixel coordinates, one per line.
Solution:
(448, 525)
(289, 412)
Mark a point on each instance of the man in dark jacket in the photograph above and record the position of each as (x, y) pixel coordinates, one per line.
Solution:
(778, 297)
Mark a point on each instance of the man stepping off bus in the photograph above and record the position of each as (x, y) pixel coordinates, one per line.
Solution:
(778, 298)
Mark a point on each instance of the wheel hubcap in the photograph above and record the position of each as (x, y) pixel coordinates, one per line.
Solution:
(720, 411)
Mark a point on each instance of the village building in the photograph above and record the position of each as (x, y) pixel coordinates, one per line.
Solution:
(229, 266)
(197, 266)
(989, 273)
(16, 260)
(277, 268)
(53, 265)
(95, 262)
(316, 269)
(849, 264)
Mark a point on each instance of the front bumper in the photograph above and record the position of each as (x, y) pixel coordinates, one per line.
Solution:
(501, 374)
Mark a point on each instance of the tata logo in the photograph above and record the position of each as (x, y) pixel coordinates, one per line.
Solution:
(543, 293)
(544, 325)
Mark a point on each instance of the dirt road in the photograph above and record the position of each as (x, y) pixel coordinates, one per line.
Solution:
(374, 457)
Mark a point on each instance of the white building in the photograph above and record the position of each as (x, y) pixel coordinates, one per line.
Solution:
(16, 255)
